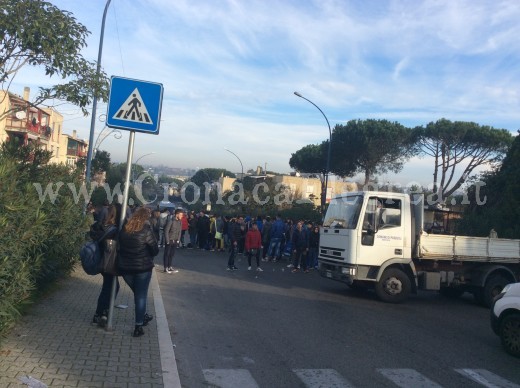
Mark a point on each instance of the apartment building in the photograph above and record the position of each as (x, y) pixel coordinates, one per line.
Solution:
(20, 120)
(301, 187)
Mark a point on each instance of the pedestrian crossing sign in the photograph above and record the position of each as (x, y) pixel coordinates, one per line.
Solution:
(134, 105)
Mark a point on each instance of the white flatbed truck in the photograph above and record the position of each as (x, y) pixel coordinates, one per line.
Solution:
(376, 239)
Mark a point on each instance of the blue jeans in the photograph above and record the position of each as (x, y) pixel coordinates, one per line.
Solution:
(103, 302)
(138, 283)
(162, 238)
(274, 247)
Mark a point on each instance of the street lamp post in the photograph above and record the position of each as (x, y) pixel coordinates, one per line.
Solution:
(94, 100)
(327, 168)
(241, 165)
(135, 164)
(103, 135)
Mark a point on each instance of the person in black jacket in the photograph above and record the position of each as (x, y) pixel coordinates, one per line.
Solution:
(137, 248)
(300, 242)
(235, 234)
(97, 230)
(314, 245)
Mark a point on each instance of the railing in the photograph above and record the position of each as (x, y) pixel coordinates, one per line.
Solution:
(25, 126)
(74, 152)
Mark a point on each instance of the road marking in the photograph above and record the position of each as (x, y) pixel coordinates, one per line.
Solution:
(408, 378)
(314, 378)
(230, 378)
(330, 378)
(486, 378)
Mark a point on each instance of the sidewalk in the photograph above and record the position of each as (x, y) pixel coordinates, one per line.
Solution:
(56, 344)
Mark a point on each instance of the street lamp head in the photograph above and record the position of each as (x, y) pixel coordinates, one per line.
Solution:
(298, 94)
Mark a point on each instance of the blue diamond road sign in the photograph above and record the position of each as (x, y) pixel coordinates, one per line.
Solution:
(134, 105)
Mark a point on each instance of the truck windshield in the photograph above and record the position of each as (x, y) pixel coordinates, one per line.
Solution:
(343, 212)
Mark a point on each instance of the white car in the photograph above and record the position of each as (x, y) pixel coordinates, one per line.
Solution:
(505, 318)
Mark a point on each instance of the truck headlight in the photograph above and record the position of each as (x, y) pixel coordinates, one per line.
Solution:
(348, 271)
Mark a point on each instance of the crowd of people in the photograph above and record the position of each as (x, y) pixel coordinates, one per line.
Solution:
(144, 232)
(261, 238)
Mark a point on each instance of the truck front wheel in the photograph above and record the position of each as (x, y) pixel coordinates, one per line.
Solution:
(493, 287)
(394, 286)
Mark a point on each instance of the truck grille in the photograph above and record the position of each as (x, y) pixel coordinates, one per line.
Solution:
(332, 253)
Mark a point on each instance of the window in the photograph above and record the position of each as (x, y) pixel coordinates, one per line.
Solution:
(343, 213)
(382, 213)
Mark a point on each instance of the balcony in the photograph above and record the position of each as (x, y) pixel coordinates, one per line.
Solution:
(80, 153)
(29, 127)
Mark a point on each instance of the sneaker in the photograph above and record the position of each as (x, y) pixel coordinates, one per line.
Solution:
(96, 319)
(103, 320)
(295, 270)
(235, 268)
(229, 268)
(249, 268)
(168, 270)
(174, 270)
(138, 331)
(147, 318)
(306, 271)
(290, 266)
(259, 269)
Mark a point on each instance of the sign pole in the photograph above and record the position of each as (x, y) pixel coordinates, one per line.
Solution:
(129, 158)
(133, 105)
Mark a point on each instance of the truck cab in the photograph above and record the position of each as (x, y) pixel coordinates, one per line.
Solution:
(364, 233)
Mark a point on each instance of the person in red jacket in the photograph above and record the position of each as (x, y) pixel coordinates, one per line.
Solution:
(253, 246)
(185, 225)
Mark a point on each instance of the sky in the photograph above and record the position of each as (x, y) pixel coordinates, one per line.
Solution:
(230, 69)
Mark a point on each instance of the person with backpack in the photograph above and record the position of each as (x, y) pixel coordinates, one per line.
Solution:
(105, 234)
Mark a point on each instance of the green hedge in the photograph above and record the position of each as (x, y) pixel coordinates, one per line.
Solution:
(39, 238)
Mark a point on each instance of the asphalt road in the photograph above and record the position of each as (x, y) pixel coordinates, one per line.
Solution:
(278, 329)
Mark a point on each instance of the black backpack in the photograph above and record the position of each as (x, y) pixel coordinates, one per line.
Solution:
(91, 254)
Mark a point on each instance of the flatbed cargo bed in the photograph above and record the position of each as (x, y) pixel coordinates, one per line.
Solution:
(463, 248)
